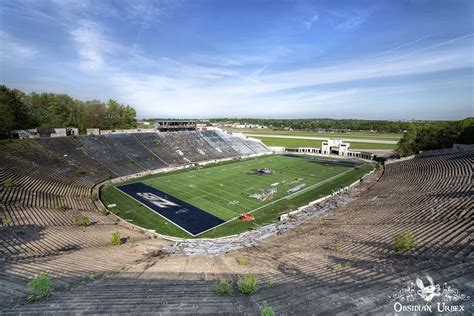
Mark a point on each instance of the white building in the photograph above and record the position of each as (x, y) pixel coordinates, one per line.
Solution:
(335, 146)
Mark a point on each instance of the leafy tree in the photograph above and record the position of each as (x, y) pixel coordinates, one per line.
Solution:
(94, 115)
(21, 111)
(13, 112)
(436, 135)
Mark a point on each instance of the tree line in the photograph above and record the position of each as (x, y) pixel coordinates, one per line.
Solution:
(314, 124)
(435, 135)
(417, 136)
(19, 110)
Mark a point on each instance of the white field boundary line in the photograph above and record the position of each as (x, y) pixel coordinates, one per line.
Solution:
(214, 183)
(203, 197)
(354, 140)
(223, 182)
(285, 197)
(172, 168)
(99, 186)
(238, 196)
(193, 205)
(304, 190)
(167, 219)
(178, 239)
(237, 217)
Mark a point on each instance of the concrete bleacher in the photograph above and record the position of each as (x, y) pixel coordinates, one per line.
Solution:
(214, 139)
(135, 151)
(231, 145)
(430, 196)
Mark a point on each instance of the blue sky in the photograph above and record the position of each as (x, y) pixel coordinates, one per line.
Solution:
(228, 58)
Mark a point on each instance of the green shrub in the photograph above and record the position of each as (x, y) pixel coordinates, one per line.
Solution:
(335, 247)
(248, 284)
(60, 206)
(341, 266)
(403, 241)
(267, 311)
(224, 287)
(8, 183)
(243, 262)
(82, 220)
(42, 285)
(116, 239)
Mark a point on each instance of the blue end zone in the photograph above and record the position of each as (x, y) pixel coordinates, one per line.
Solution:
(191, 219)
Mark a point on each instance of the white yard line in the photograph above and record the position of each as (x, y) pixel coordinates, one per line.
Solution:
(303, 190)
(288, 196)
(239, 197)
(263, 206)
(206, 200)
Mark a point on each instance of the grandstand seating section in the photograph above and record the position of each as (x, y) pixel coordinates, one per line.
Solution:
(52, 180)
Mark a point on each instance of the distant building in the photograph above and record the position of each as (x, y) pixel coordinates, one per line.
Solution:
(334, 147)
(175, 125)
(235, 125)
(45, 132)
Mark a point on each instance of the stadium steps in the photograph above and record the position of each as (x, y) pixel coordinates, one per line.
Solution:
(427, 196)
(128, 295)
(42, 217)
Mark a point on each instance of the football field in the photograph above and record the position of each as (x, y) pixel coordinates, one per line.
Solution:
(230, 189)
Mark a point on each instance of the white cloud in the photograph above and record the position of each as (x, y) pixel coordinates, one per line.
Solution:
(71, 5)
(350, 20)
(15, 50)
(191, 90)
(89, 45)
(309, 23)
(92, 45)
(263, 55)
(350, 24)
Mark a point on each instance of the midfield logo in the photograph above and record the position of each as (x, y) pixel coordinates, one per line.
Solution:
(447, 297)
(156, 200)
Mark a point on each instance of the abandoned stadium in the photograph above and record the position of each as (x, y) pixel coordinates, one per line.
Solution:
(318, 230)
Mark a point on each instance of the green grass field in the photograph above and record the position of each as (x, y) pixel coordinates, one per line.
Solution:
(290, 143)
(357, 135)
(225, 190)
